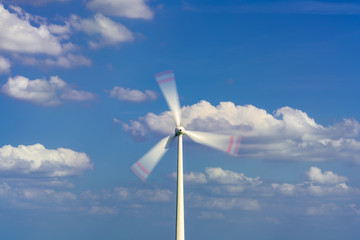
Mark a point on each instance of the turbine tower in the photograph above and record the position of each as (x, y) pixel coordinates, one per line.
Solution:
(143, 167)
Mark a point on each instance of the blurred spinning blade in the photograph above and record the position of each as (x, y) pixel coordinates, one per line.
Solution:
(166, 81)
(226, 143)
(143, 167)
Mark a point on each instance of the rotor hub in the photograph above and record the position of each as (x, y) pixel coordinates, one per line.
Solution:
(179, 130)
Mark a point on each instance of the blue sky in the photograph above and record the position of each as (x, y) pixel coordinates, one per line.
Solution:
(79, 105)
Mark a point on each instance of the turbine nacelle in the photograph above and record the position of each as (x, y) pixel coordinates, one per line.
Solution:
(179, 130)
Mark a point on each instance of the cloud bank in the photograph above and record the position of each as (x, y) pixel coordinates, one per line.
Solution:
(287, 134)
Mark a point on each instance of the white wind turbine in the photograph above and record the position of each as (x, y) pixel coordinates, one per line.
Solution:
(143, 167)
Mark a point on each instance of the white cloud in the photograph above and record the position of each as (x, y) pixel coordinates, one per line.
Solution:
(352, 206)
(108, 31)
(327, 184)
(18, 35)
(135, 128)
(4, 188)
(288, 134)
(36, 2)
(211, 215)
(219, 175)
(98, 210)
(38, 194)
(4, 65)
(285, 188)
(122, 8)
(44, 92)
(315, 175)
(37, 160)
(223, 203)
(154, 195)
(132, 95)
(235, 182)
(68, 60)
(323, 210)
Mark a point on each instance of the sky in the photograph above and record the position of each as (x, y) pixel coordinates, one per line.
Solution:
(79, 105)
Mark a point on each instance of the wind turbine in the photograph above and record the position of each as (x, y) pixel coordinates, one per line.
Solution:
(143, 167)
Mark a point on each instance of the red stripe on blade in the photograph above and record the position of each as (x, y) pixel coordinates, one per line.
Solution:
(142, 168)
(137, 173)
(163, 73)
(169, 79)
(230, 144)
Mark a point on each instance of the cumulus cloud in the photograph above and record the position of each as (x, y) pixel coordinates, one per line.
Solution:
(288, 134)
(18, 35)
(132, 95)
(122, 8)
(315, 175)
(43, 92)
(107, 31)
(4, 65)
(229, 181)
(225, 182)
(39, 161)
(327, 184)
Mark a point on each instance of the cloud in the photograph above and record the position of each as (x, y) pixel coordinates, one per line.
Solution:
(288, 134)
(327, 184)
(132, 95)
(224, 182)
(98, 210)
(211, 215)
(315, 175)
(352, 206)
(68, 60)
(236, 182)
(222, 203)
(36, 160)
(19, 36)
(107, 31)
(322, 210)
(36, 2)
(122, 8)
(4, 65)
(47, 195)
(43, 92)
(153, 195)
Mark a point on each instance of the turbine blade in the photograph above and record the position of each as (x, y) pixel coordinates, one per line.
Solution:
(143, 167)
(226, 143)
(166, 81)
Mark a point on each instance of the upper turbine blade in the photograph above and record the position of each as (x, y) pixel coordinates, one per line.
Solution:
(226, 143)
(166, 81)
(143, 167)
